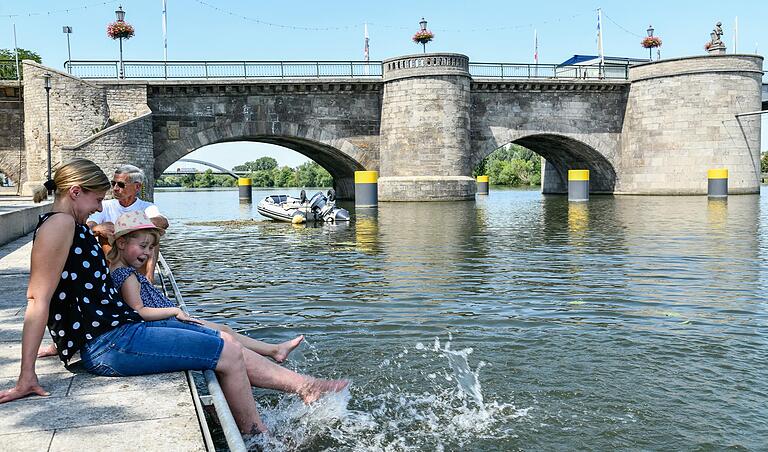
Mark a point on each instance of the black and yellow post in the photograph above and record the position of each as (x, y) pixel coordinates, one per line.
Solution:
(482, 185)
(717, 185)
(366, 188)
(245, 187)
(578, 185)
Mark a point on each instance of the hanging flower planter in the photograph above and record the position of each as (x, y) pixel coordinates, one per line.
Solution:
(423, 37)
(120, 30)
(651, 42)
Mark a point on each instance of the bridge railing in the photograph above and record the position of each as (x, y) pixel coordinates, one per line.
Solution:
(135, 69)
(225, 69)
(549, 71)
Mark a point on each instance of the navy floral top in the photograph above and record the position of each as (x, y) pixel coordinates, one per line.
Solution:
(83, 305)
(150, 296)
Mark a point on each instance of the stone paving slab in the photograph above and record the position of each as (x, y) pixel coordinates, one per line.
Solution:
(84, 411)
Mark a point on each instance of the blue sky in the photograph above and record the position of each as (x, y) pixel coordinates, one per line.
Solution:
(486, 31)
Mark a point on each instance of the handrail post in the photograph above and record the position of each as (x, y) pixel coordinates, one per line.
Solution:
(205, 64)
(282, 71)
(502, 71)
(351, 70)
(317, 65)
(165, 69)
(245, 70)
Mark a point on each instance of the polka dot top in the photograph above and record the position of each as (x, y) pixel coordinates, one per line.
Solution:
(150, 296)
(83, 305)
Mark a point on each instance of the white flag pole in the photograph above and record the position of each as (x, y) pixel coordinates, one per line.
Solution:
(16, 53)
(165, 30)
(736, 35)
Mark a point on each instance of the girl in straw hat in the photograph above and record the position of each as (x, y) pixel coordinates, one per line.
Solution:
(133, 243)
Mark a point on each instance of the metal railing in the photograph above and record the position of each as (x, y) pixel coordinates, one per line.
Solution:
(224, 69)
(228, 425)
(8, 69)
(548, 71)
(101, 69)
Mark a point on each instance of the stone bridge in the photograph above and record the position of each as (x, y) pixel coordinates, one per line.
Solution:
(425, 125)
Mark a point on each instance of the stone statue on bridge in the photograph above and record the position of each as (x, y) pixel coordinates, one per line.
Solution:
(715, 44)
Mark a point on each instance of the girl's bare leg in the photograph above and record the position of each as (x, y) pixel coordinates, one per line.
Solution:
(278, 352)
(237, 388)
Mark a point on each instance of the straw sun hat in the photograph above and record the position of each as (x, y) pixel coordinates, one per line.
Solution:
(132, 221)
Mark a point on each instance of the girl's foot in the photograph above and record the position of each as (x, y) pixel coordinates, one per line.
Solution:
(316, 388)
(284, 349)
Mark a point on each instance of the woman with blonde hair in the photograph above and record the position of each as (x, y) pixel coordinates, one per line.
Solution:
(70, 290)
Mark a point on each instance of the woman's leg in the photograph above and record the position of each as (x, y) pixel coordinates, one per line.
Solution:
(237, 389)
(278, 352)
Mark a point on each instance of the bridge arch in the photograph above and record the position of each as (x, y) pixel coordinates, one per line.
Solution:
(562, 152)
(339, 156)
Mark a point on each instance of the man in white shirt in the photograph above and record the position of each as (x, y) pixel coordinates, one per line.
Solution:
(126, 185)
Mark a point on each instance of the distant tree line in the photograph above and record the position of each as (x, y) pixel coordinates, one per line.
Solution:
(263, 171)
(764, 162)
(511, 165)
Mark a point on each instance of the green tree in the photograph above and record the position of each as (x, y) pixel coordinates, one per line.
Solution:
(261, 164)
(511, 165)
(8, 62)
(262, 178)
(764, 163)
(284, 177)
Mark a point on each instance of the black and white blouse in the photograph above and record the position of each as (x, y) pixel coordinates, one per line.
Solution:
(83, 305)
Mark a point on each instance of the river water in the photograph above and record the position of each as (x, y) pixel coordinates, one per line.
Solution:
(514, 322)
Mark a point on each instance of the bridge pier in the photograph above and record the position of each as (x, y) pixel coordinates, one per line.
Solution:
(425, 150)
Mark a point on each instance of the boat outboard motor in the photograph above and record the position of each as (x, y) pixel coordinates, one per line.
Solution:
(337, 214)
(317, 202)
(331, 194)
(303, 196)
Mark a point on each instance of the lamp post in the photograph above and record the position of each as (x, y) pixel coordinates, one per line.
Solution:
(120, 14)
(68, 31)
(423, 25)
(47, 85)
(650, 49)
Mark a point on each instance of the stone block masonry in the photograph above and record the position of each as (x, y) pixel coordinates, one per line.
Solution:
(12, 155)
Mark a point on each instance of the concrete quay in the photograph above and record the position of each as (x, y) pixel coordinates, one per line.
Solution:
(18, 216)
(84, 411)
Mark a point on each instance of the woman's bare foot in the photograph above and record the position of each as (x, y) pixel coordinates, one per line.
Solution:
(316, 388)
(47, 351)
(284, 349)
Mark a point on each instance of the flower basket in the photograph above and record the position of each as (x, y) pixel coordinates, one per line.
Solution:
(650, 42)
(120, 29)
(423, 37)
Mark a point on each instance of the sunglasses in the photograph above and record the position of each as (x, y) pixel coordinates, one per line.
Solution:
(119, 184)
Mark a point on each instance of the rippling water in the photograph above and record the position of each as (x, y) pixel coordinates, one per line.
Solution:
(515, 322)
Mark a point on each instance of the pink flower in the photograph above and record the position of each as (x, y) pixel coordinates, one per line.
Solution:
(423, 36)
(120, 29)
(650, 42)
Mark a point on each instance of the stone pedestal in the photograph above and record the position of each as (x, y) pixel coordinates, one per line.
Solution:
(717, 49)
(425, 151)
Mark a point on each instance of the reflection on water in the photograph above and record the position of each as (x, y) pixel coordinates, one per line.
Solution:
(623, 322)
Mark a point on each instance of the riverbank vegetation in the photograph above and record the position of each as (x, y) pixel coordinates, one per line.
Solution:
(511, 165)
(263, 171)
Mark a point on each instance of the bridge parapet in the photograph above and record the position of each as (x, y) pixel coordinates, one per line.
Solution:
(425, 65)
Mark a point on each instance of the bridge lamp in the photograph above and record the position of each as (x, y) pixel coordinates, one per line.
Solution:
(47, 85)
(650, 49)
(120, 15)
(423, 24)
(68, 31)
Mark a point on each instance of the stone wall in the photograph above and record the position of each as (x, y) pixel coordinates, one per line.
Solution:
(12, 158)
(681, 122)
(78, 109)
(425, 119)
(127, 142)
(126, 101)
(573, 124)
(334, 123)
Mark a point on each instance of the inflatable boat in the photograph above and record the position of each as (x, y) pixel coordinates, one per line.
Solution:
(287, 208)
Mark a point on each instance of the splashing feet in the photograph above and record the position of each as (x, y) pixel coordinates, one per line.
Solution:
(284, 349)
(316, 388)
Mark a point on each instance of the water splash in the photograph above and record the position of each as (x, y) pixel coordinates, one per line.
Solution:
(422, 398)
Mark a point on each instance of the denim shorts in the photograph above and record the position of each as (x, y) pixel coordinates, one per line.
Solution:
(152, 347)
